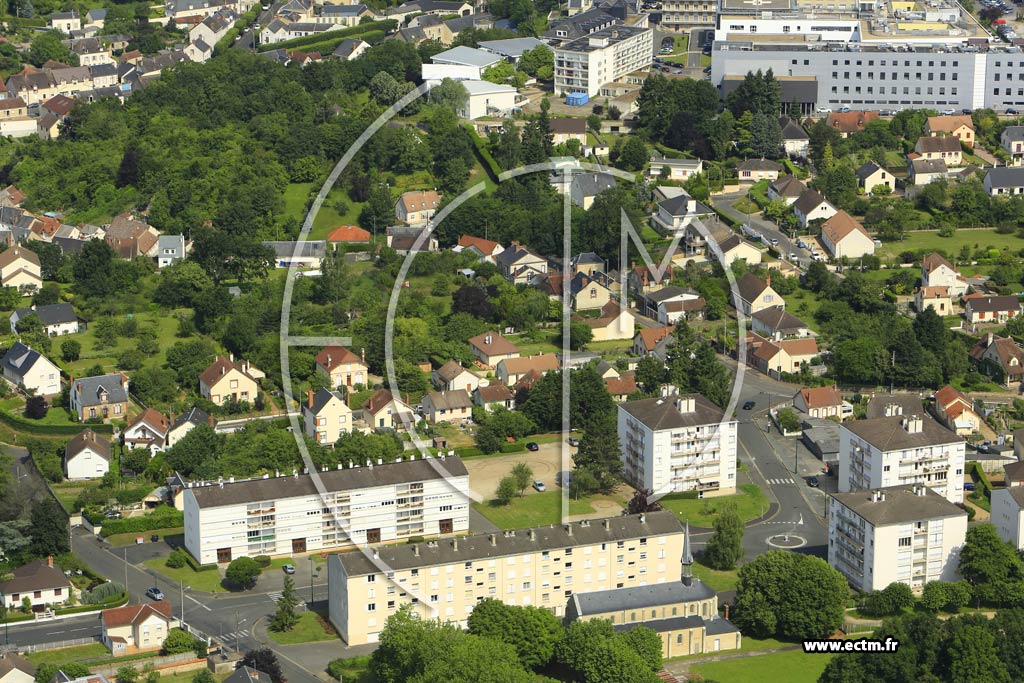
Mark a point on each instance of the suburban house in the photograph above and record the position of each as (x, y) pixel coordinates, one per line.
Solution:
(774, 358)
(1004, 180)
(104, 396)
(905, 534)
(148, 430)
(668, 304)
(901, 450)
(326, 416)
(850, 122)
(226, 380)
(677, 213)
(647, 339)
(39, 581)
(246, 674)
(519, 265)
(350, 48)
(674, 169)
(383, 410)
(753, 170)
(936, 298)
(776, 323)
(487, 250)
(733, 248)
(924, 171)
(938, 272)
(86, 456)
(494, 395)
(683, 612)
(676, 443)
(171, 249)
(590, 292)
(57, 319)
(372, 503)
(303, 255)
(19, 268)
(820, 402)
(186, 422)
(945, 148)
(565, 129)
(586, 186)
(960, 127)
(16, 669)
(842, 236)
(452, 376)
(130, 238)
(344, 368)
(621, 386)
(417, 206)
(137, 628)
(1004, 353)
(756, 294)
(1012, 141)
(490, 348)
(65, 22)
(991, 309)
(953, 409)
(616, 322)
(871, 175)
(811, 206)
(348, 234)
(447, 406)
(795, 141)
(787, 188)
(31, 370)
(511, 370)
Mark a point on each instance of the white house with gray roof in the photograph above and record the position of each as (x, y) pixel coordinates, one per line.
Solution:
(284, 513)
(27, 368)
(57, 319)
(460, 63)
(511, 49)
(905, 534)
(586, 186)
(1004, 181)
(677, 442)
(170, 249)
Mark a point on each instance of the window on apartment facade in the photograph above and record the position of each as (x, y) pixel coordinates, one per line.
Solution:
(905, 542)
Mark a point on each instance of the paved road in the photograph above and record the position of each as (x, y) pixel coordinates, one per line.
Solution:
(725, 202)
(248, 38)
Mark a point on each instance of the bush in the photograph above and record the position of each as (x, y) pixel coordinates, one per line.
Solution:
(176, 559)
(196, 567)
(160, 518)
(179, 641)
(36, 408)
(262, 560)
(337, 667)
(788, 420)
(105, 592)
(242, 572)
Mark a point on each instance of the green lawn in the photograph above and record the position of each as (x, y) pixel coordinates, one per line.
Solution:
(79, 653)
(749, 645)
(534, 509)
(297, 194)
(67, 491)
(780, 667)
(750, 502)
(201, 581)
(716, 579)
(187, 676)
(928, 239)
(311, 628)
(129, 538)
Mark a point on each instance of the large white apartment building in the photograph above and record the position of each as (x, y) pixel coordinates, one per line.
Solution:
(908, 534)
(285, 514)
(603, 57)
(677, 443)
(1008, 514)
(899, 451)
(542, 566)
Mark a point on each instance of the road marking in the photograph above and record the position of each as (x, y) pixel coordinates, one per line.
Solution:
(87, 628)
(780, 481)
(199, 603)
(274, 596)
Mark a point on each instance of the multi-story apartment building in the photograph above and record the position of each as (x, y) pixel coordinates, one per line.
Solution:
(898, 451)
(683, 15)
(908, 534)
(676, 443)
(605, 56)
(541, 566)
(286, 514)
(1008, 515)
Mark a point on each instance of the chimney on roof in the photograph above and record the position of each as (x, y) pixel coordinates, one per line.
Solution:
(455, 544)
(328, 360)
(49, 561)
(532, 534)
(607, 525)
(568, 529)
(493, 539)
(913, 424)
(231, 356)
(727, 611)
(416, 549)
(685, 405)
(893, 409)
(989, 339)
(643, 518)
(768, 280)
(488, 339)
(309, 398)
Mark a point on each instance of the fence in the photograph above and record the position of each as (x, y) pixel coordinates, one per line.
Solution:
(57, 644)
(171, 663)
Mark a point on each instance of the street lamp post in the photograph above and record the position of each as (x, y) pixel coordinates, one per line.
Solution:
(796, 446)
(311, 582)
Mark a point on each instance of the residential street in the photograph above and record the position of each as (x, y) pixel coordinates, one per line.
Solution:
(725, 204)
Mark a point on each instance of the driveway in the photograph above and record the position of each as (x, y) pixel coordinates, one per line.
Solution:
(486, 472)
(725, 203)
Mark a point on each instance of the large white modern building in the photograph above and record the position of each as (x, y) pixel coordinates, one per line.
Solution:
(542, 566)
(1008, 514)
(908, 534)
(606, 56)
(678, 442)
(899, 451)
(284, 515)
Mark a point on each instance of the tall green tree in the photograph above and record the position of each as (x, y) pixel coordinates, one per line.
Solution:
(725, 547)
(992, 567)
(532, 631)
(50, 531)
(285, 618)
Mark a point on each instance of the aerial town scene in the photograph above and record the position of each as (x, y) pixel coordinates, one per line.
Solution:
(512, 341)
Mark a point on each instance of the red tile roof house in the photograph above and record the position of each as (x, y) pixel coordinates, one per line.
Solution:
(955, 410)
(1002, 352)
(137, 628)
(348, 234)
(820, 402)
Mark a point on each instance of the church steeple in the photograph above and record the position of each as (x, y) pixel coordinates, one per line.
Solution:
(687, 561)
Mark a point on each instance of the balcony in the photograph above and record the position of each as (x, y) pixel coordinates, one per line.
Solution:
(262, 511)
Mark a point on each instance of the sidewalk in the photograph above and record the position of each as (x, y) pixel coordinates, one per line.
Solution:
(312, 658)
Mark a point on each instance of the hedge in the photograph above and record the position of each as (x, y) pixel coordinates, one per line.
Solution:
(326, 47)
(196, 567)
(117, 601)
(984, 486)
(488, 162)
(161, 518)
(25, 425)
(385, 25)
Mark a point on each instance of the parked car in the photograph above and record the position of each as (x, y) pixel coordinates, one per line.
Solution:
(749, 405)
(155, 538)
(539, 486)
(843, 109)
(813, 482)
(969, 486)
(800, 243)
(948, 112)
(823, 110)
(792, 256)
(774, 242)
(1012, 111)
(573, 441)
(532, 446)
(112, 514)
(288, 569)
(155, 593)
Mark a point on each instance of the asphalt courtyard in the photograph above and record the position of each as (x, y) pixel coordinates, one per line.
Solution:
(486, 472)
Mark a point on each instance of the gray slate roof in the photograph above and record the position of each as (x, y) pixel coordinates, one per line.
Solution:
(777, 318)
(321, 398)
(308, 249)
(511, 47)
(289, 486)
(592, 184)
(888, 434)
(20, 359)
(640, 597)
(680, 206)
(515, 542)
(869, 168)
(466, 55)
(901, 505)
(246, 674)
(928, 166)
(808, 201)
(660, 413)
(1006, 176)
(54, 314)
(195, 415)
(92, 386)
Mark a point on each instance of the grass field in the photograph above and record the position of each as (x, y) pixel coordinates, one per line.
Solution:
(927, 239)
(297, 194)
(536, 509)
(79, 653)
(750, 502)
(201, 581)
(129, 538)
(749, 645)
(779, 667)
(67, 491)
(187, 676)
(716, 579)
(311, 628)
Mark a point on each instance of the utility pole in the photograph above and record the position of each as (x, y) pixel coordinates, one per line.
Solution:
(181, 594)
(311, 582)
(796, 447)
(126, 569)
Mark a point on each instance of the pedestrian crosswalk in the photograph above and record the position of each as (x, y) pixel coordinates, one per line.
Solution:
(780, 481)
(274, 596)
(236, 635)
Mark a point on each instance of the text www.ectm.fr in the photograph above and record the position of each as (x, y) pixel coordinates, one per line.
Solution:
(859, 645)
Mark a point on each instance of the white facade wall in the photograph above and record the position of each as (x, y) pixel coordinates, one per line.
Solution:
(302, 519)
(1007, 517)
(588, 70)
(47, 596)
(87, 464)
